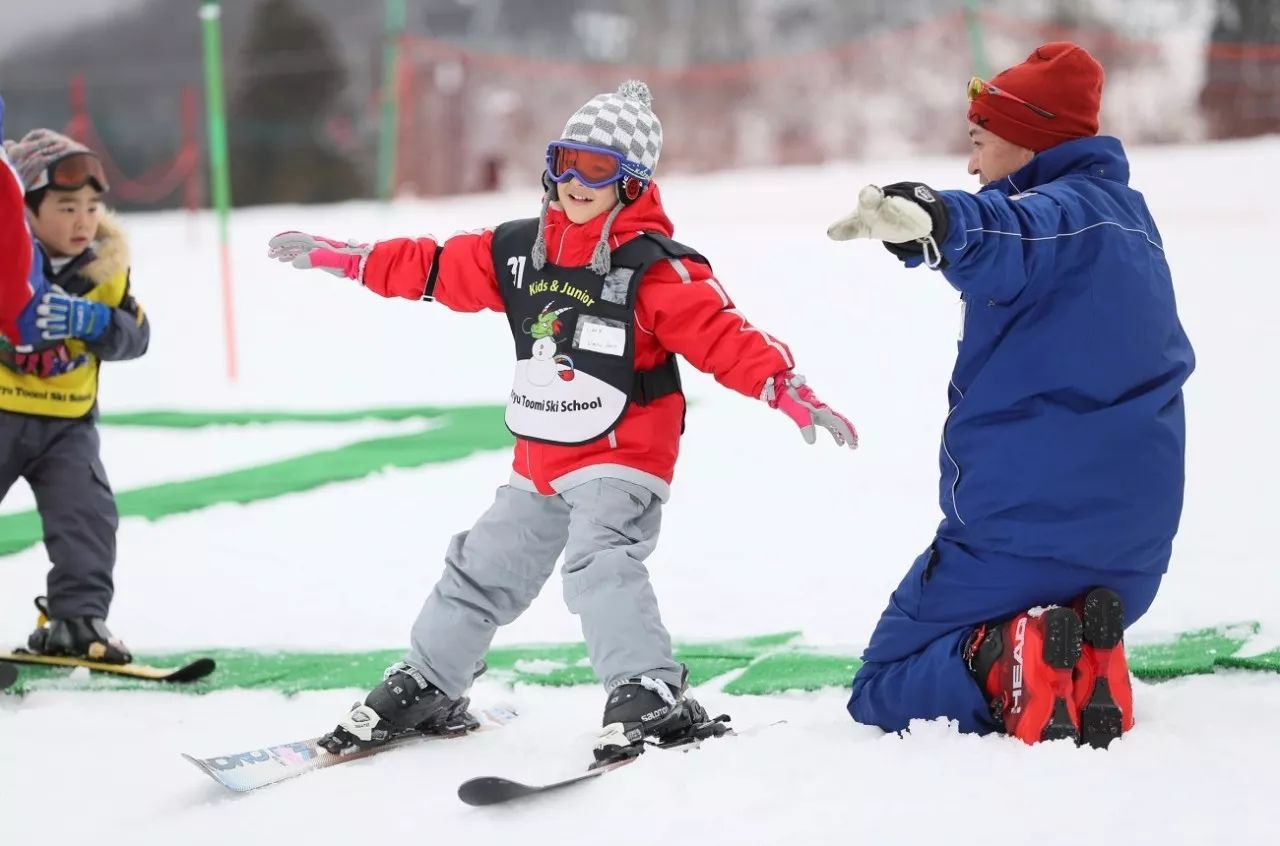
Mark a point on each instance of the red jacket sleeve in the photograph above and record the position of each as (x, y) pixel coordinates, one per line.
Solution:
(464, 279)
(683, 305)
(15, 254)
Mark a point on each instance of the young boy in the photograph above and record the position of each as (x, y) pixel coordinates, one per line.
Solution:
(48, 395)
(598, 298)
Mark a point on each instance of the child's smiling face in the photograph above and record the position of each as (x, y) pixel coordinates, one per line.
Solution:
(581, 203)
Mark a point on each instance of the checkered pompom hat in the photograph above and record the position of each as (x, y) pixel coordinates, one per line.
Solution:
(625, 123)
(622, 121)
(38, 149)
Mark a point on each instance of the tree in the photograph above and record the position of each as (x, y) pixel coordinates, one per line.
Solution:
(291, 79)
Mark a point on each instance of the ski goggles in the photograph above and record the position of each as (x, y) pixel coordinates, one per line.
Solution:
(594, 167)
(979, 86)
(71, 173)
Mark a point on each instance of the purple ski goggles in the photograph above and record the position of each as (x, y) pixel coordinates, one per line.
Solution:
(595, 167)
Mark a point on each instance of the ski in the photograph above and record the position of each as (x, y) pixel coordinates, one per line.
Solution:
(8, 675)
(245, 771)
(495, 790)
(197, 669)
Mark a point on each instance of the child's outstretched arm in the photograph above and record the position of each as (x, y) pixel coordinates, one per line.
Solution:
(683, 305)
(458, 273)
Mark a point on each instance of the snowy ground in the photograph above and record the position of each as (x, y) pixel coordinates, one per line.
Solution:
(346, 566)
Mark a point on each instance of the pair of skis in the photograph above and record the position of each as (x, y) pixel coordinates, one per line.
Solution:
(257, 768)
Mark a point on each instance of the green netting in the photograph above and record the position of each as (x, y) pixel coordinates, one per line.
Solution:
(770, 663)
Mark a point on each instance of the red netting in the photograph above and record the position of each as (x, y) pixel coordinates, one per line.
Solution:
(475, 120)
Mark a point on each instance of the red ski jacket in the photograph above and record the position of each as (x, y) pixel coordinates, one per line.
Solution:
(681, 308)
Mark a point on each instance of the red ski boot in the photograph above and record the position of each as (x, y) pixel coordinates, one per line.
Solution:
(1024, 665)
(1103, 692)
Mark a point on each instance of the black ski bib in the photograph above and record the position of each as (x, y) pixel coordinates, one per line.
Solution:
(574, 333)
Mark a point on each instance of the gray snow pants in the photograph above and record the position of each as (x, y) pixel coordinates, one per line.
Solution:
(606, 528)
(60, 460)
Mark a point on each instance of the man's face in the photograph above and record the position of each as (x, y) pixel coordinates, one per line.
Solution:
(992, 158)
(67, 221)
(581, 203)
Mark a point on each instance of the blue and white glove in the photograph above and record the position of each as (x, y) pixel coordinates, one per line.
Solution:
(60, 316)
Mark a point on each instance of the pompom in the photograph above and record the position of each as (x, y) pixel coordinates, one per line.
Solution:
(634, 89)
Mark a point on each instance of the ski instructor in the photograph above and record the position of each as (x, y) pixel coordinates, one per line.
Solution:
(1062, 454)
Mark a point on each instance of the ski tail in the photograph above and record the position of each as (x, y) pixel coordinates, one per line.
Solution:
(246, 771)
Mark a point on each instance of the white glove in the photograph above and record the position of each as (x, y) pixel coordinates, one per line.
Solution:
(892, 219)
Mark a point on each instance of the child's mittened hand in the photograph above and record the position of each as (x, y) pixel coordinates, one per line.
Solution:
(60, 316)
(788, 393)
(305, 252)
(893, 219)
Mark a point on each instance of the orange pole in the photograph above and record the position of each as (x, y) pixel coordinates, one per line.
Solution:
(228, 311)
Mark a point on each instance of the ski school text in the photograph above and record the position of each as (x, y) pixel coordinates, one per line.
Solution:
(543, 286)
(58, 396)
(555, 405)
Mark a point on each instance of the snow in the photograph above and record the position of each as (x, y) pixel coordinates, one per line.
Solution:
(763, 534)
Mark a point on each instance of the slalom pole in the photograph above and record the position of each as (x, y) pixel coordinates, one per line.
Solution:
(977, 50)
(216, 118)
(389, 112)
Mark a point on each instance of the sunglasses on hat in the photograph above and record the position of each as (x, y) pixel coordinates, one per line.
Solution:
(979, 86)
(595, 167)
(71, 173)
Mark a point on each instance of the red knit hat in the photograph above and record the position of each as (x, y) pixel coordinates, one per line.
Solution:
(1059, 79)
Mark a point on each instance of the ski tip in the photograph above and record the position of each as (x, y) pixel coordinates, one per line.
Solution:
(490, 790)
(197, 669)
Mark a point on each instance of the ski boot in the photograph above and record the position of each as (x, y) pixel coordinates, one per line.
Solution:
(404, 704)
(78, 637)
(644, 710)
(1024, 666)
(1103, 692)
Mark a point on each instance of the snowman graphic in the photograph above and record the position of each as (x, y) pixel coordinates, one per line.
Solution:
(546, 365)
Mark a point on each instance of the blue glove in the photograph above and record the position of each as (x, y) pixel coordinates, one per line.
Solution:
(61, 316)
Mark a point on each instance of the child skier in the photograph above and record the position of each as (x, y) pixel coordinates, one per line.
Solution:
(48, 394)
(598, 299)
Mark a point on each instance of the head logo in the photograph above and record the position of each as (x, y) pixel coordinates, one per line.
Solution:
(924, 195)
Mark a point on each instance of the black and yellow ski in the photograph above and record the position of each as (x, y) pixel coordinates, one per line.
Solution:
(197, 669)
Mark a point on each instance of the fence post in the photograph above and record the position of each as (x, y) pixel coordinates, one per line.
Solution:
(977, 50)
(388, 116)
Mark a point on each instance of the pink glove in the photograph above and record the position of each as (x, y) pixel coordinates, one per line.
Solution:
(788, 393)
(314, 251)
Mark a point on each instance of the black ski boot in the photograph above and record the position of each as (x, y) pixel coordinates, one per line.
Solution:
(78, 637)
(644, 709)
(405, 703)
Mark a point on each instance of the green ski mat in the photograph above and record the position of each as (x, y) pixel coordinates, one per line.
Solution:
(448, 434)
(765, 664)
